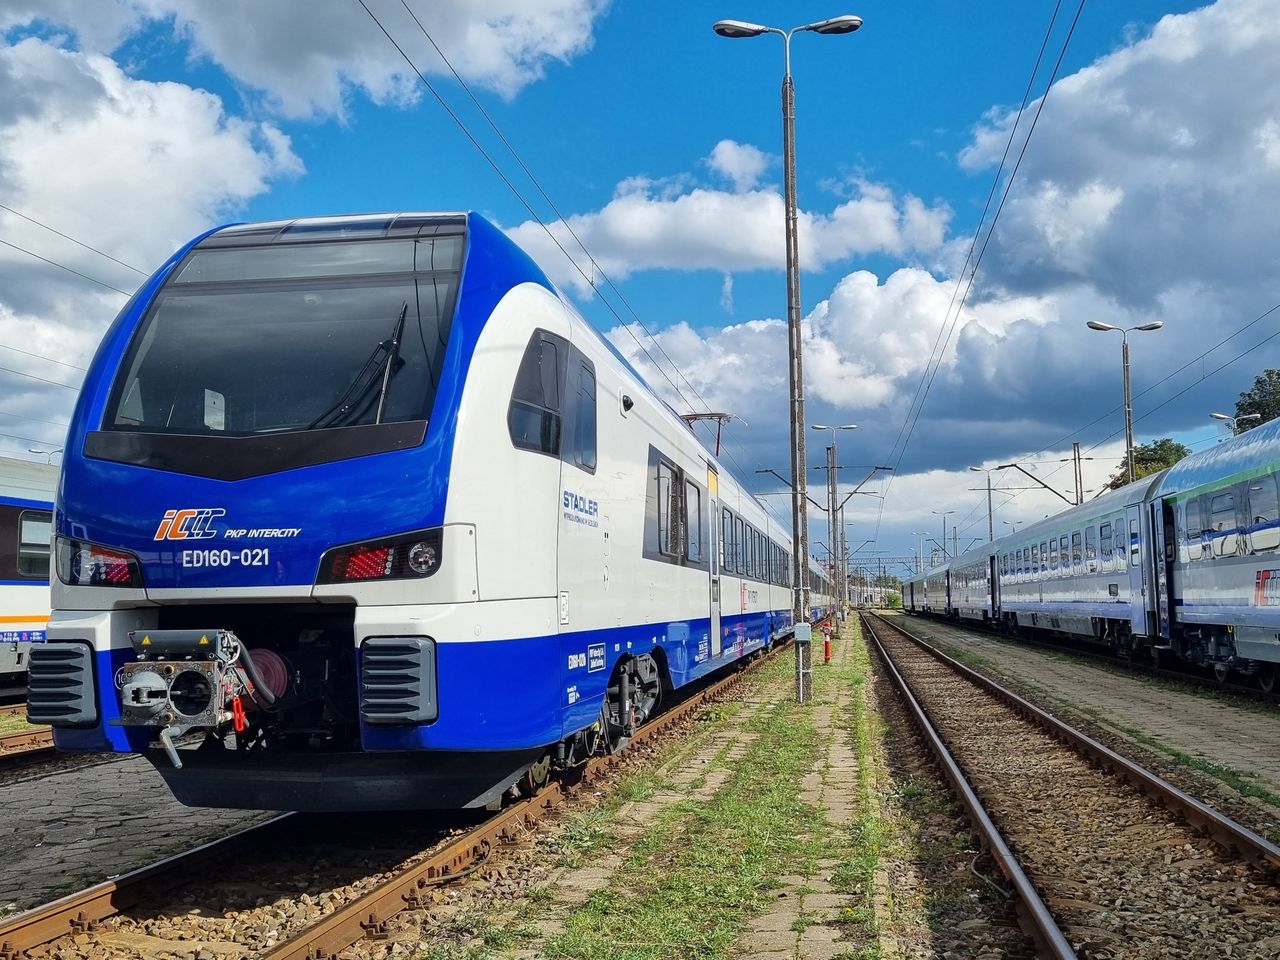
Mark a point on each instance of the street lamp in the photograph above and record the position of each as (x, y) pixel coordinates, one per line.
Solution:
(919, 549)
(1232, 421)
(1012, 523)
(943, 515)
(1128, 398)
(49, 454)
(991, 534)
(833, 466)
(738, 29)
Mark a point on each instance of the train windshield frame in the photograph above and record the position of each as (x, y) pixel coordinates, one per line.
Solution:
(283, 338)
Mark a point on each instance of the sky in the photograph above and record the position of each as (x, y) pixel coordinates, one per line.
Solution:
(1146, 192)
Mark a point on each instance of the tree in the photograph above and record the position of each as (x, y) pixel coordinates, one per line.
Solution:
(1263, 398)
(1149, 458)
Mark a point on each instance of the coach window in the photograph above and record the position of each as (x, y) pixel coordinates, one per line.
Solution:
(1053, 556)
(1194, 520)
(533, 417)
(34, 528)
(693, 526)
(1077, 552)
(726, 540)
(584, 416)
(1264, 505)
(1222, 521)
(1135, 549)
(740, 546)
(1091, 549)
(670, 536)
(1104, 542)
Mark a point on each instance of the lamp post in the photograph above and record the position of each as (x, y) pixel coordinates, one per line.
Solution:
(737, 30)
(1128, 398)
(919, 550)
(1012, 523)
(991, 533)
(833, 465)
(48, 454)
(1233, 421)
(943, 515)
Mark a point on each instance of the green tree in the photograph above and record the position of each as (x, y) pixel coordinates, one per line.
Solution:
(1263, 399)
(1149, 458)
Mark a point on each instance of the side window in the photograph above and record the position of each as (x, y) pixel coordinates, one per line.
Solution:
(34, 528)
(669, 533)
(740, 547)
(1053, 555)
(1035, 561)
(1224, 524)
(533, 418)
(1064, 555)
(693, 526)
(1077, 552)
(1104, 538)
(1044, 557)
(1134, 548)
(1264, 514)
(1091, 549)
(726, 539)
(584, 417)
(1195, 530)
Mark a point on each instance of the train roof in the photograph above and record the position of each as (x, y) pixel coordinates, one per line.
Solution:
(1252, 452)
(27, 480)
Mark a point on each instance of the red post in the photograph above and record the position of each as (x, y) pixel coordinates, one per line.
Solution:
(826, 649)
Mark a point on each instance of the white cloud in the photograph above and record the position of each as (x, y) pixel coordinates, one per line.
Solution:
(306, 55)
(726, 293)
(134, 167)
(742, 163)
(1156, 165)
(648, 226)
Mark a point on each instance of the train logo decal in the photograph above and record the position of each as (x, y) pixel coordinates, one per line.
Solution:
(580, 509)
(1266, 588)
(188, 524)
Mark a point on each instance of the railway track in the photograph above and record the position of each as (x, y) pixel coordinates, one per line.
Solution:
(191, 895)
(1106, 859)
(22, 744)
(1248, 691)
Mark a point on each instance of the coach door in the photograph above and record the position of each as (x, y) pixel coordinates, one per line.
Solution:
(1137, 571)
(1164, 538)
(713, 493)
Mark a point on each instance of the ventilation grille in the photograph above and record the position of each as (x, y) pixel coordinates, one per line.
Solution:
(60, 684)
(398, 680)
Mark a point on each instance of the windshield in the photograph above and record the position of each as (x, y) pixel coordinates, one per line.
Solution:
(292, 337)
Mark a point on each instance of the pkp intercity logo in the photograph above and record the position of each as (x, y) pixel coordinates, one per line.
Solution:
(191, 524)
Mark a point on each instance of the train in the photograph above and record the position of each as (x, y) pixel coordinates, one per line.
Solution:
(26, 521)
(1183, 565)
(359, 513)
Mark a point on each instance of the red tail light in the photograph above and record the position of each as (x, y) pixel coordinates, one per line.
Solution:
(410, 556)
(84, 564)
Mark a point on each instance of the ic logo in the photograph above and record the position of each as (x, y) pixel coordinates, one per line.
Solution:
(188, 524)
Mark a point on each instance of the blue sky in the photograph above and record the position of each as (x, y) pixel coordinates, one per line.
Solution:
(133, 124)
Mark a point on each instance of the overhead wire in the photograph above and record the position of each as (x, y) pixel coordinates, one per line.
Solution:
(898, 452)
(63, 266)
(590, 279)
(67, 236)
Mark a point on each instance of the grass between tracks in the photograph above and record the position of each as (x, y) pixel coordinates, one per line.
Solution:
(706, 865)
(15, 722)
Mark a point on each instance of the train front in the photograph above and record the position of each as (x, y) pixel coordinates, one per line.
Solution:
(252, 559)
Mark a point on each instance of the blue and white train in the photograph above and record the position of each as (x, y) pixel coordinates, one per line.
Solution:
(1182, 564)
(359, 513)
(26, 516)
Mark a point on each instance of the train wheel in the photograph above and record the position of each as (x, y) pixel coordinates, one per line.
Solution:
(536, 776)
(1221, 672)
(1267, 679)
(631, 698)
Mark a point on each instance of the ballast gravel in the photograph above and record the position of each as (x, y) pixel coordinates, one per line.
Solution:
(1122, 875)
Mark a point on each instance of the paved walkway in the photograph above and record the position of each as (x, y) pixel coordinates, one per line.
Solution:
(801, 923)
(86, 821)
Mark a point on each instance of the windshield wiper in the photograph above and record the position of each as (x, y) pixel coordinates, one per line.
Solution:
(376, 367)
(392, 357)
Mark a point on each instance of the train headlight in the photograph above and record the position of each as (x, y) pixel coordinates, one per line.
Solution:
(409, 556)
(423, 558)
(84, 564)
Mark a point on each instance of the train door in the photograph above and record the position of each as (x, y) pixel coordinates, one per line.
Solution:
(1137, 572)
(1164, 540)
(713, 492)
(994, 582)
